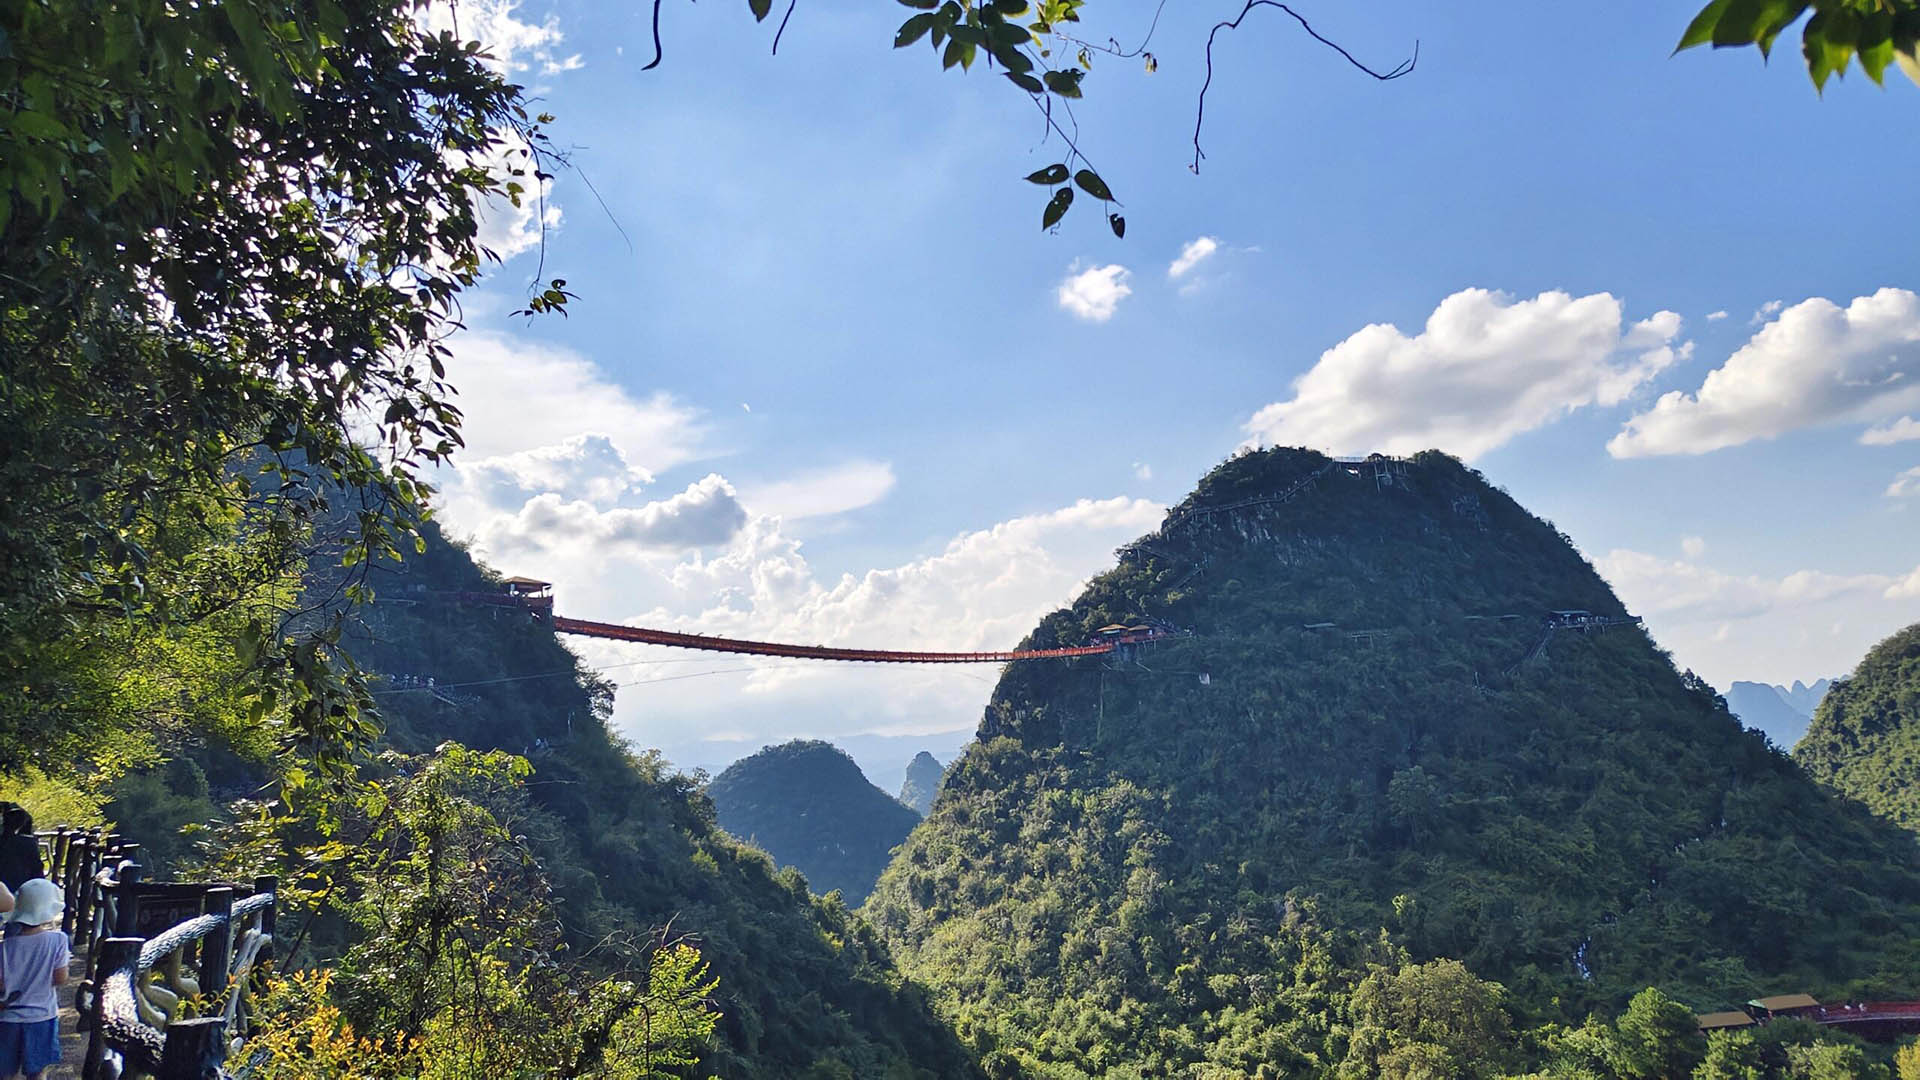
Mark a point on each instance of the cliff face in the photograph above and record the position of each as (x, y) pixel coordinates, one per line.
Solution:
(1865, 737)
(808, 805)
(1378, 722)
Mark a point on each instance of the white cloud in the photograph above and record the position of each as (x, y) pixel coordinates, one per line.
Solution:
(1906, 484)
(822, 492)
(1902, 430)
(1142, 471)
(1731, 626)
(1816, 365)
(1485, 369)
(1193, 254)
(511, 44)
(519, 396)
(983, 590)
(585, 467)
(1693, 546)
(1095, 293)
(706, 514)
(1716, 316)
(1767, 311)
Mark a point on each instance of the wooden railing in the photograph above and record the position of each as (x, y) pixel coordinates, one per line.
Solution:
(170, 969)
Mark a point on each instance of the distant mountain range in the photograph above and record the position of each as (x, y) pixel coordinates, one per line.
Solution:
(1782, 712)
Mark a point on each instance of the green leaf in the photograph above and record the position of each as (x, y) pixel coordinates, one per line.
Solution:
(1065, 83)
(1118, 224)
(760, 8)
(958, 52)
(1056, 208)
(1700, 30)
(1783, 20)
(1008, 34)
(1011, 9)
(922, 5)
(1013, 60)
(1875, 44)
(1828, 44)
(1052, 174)
(1091, 183)
(1026, 82)
(914, 29)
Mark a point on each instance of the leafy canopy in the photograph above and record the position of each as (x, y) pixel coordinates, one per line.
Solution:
(1878, 33)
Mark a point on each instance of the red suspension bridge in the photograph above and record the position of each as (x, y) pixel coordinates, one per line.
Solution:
(537, 598)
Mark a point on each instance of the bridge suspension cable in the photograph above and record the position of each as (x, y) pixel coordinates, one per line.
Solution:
(641, 635)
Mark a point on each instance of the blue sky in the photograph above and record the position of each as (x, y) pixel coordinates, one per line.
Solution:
(827, 380)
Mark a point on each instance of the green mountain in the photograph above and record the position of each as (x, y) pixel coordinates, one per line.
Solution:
(632, 847)
(1179, 860)
(922, 783)
(1865, 737)
(807, 804)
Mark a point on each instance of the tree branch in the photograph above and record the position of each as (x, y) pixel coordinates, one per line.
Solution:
(1200, 113)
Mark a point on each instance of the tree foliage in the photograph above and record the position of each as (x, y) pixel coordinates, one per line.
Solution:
(1877, 33)
(229, 234)
(1865, 737)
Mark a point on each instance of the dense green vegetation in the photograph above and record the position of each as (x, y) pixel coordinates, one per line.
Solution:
(1865, 737)
(1134, 869)
(922, 783)
(630, 846)
(807, 804)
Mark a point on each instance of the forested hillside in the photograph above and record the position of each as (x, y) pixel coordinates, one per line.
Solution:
(630, 846)
(1369, 752)
(1865, 737)
(807, 804)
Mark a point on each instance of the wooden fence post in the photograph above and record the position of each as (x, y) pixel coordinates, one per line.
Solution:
(71, 883)
(216, 949)
(126, 899)
(114, 953)
(267, 884)
(194, 1049)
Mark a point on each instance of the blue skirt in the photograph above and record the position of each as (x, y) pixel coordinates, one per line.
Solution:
(29, 1048)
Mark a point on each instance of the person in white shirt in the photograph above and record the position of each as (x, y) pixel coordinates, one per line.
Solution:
(33, 961)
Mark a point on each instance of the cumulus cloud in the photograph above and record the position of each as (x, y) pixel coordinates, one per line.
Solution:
(1095, 293)
(1142, 471)
(1906, 484)
(821, 492)
(520, 396)
(1817, 364)
(1767, 311)
(1485, 369)
(1693, 546)
(585, 467)
(1902, 430)
(1193, 254)
(1716, 316)
(706, 514)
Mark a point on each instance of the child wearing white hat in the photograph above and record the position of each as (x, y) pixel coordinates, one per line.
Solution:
(33, 961)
